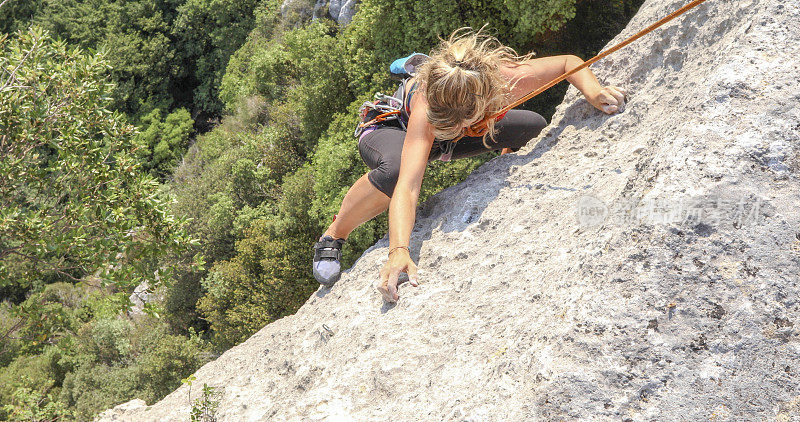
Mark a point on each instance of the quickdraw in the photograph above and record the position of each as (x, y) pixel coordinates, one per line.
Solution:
(383, 108)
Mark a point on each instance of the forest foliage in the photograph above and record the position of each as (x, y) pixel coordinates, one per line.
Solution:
(199, 147)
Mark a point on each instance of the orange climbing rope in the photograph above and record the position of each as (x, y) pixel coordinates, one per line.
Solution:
(480, 128)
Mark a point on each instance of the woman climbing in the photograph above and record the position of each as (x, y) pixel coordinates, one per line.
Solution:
(468, 77)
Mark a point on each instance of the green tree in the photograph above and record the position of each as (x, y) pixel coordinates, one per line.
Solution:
(73, 201)
(164, 53)
(31, 386)
(16, 15)
(163, 141)
(263, 281)
(136, 35)
(207, 33)
(82, 359)
(121, 360)
(300, 77)
(34, 406)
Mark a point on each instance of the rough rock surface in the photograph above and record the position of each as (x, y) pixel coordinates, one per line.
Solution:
(641, 266)
(142, 294)
(342, 11)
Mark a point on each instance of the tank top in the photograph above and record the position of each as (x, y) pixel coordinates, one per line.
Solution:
(405, 113)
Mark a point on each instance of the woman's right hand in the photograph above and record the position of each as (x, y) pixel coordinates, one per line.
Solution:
(399, 261)
(609, 100)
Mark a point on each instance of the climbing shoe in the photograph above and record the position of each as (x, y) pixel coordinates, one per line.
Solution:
(327, 256)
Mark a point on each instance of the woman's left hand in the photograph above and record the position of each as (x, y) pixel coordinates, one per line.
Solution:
(609, 100)
(399, 261)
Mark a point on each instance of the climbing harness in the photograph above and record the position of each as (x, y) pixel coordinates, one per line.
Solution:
(480, 128)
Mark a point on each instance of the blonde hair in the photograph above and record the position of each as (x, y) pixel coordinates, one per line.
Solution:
(463, 84)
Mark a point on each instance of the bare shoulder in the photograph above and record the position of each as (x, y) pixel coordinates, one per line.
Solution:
(527, 75)
(419, 105)
(543, 64)
(419, 92)
(419, 128)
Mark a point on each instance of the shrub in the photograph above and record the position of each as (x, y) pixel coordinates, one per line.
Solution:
(267, 278)
(163, 141)
(72, 200)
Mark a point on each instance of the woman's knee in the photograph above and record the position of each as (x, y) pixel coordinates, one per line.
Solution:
(385, 176)
(525, 120)
(537, 122)
(520, 128)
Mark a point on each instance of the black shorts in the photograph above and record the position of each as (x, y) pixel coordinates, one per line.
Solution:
(382, 147)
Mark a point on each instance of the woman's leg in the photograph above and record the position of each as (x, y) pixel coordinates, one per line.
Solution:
(381, 150)
(361, 203)
(512, 131)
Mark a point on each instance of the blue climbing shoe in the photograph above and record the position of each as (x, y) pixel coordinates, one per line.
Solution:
(327, 254)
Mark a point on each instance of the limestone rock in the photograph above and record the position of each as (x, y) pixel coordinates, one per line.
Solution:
(574, 279)
(342, 11)
(121, 410)
(142, 294)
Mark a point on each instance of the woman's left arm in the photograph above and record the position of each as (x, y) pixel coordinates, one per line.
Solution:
(534, 73)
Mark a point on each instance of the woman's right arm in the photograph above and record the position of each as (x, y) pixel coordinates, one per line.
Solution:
(403, 205)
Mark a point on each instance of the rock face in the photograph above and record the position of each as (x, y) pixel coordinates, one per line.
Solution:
(640, 266)
(342, 11)
(141, 295)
